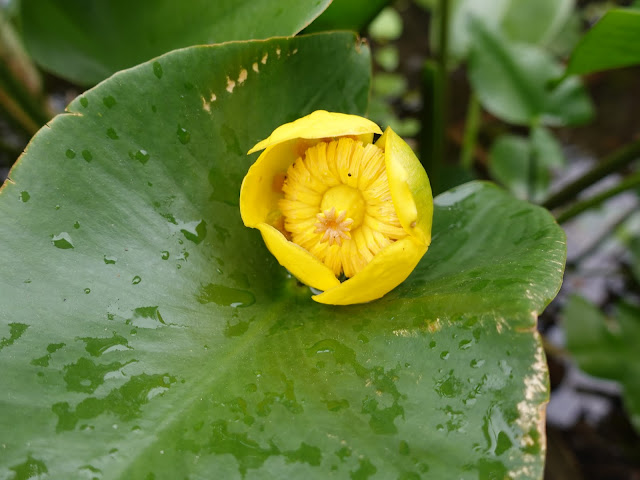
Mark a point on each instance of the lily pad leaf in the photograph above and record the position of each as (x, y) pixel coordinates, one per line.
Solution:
(166, 342)
(86, 41)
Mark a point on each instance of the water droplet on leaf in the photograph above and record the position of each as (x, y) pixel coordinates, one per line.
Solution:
(157, 69)
(109, 101)
(62, 240)
(142, 156)
(110, 260)
(194, 231)
(225, 296)
(183, 135)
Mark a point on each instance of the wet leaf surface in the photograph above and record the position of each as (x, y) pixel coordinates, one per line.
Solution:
(146, 333)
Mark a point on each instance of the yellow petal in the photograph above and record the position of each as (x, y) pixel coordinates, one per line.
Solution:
(304, 266)
(259, 193)
(387, 270)
(409, 186)
(320, 124)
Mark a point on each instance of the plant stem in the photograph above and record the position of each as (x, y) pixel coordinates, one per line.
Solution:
(21, 94)
(428, 129)
(628, 183)
(532, 177)
(18, 114)
(441, 88)
(610, 164)
(470, 132)
(434, 111)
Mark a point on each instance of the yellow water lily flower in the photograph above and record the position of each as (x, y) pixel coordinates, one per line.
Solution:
(331, 204)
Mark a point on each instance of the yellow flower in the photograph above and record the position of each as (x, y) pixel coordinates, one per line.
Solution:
(331, 204)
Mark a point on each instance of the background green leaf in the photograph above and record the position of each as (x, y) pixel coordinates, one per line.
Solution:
(547, 148)
(513, 82)
(607, 346)
(86, 41)
(146, 333)
(523, 164)
(611, 43)
(513, 162)
(536, 22)
(347, 15)
(387, 26)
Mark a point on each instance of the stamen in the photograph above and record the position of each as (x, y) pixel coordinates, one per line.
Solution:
(335, 228)
(337, 204)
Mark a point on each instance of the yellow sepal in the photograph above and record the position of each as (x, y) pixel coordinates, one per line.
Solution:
(409, 186)
(319, 124)
(304, 266)
(387, 270)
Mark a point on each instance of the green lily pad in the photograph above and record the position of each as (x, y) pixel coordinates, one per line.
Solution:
(86, 41)
(607, 347)
(146, 333)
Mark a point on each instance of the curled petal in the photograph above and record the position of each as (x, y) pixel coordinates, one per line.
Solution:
(320, 124)
(304, 266)
(262, 186)
(409, 186)
(388, 269)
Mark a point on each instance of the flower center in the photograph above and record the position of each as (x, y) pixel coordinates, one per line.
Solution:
(337, 204)
(342, 209)
(333, 226)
